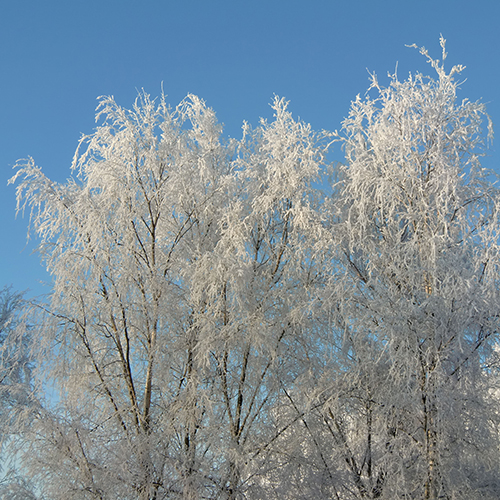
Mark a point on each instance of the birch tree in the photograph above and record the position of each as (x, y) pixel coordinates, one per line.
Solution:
(410, 409)
(119, 339)
(16, 400)
(269, 267)
(176, 262)
(15, 370)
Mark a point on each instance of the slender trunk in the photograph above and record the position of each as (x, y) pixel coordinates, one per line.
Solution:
(189, 487)
(430, 489)
(234, 481)
(430, 432)
(149, 382)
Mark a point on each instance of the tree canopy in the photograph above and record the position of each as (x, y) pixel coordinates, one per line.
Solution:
(242, 319)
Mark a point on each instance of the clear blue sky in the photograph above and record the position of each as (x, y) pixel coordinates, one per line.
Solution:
(57, 57)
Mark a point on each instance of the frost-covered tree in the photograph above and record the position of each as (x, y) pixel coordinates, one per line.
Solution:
(264, 267)
(11, 304)
(123, 241)
(415, 296)
(179, 267)
(15, 390)
(15, 367)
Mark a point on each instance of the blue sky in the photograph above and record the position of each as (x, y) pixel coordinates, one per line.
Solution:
(57, 57)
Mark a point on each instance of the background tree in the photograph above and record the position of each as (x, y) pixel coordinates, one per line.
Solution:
(15, 369)
(16, 400)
